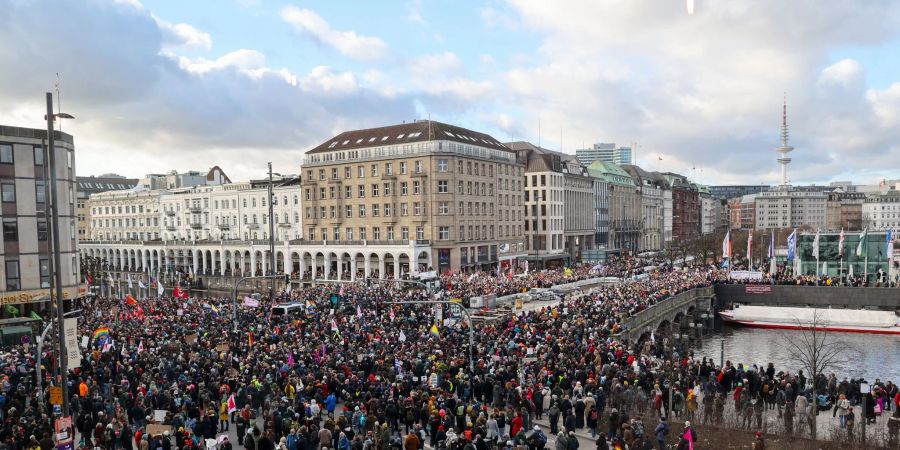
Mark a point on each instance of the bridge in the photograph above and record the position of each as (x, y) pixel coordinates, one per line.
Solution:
(662, 315)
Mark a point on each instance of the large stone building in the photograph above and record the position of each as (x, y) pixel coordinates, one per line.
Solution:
(843, 210)
(625, 208)
(175, 179)
(653, 188)
(440, 195)
(882, 211)
(559, 219)
(24, 182)
(685, 207)
(87, 186)
(711, 211)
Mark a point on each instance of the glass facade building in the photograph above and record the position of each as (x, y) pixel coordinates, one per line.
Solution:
(876, 248)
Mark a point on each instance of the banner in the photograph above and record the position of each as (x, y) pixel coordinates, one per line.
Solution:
(758, 289)
(742, 275)
(38, 295)
(73, 352)
(251, 302)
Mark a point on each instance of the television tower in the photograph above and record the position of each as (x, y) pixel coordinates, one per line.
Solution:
(785, 148)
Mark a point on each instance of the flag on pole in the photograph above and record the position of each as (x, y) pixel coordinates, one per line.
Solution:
(889, 250)
(111, 279)
(434, 330)
(250, 338)
(179, 293)
(130, 300)
(159, 288)
(861, 247)
(824, 268)
(815, 249)
(141, 284)
(726, 245)
(334, 326)
(526, 267)
(841, 243)
(792, 245)
(358, 311)
(750, 246)
(232, 406)
(392, 313)
(850, 273)
(772, 268)
(130, 284)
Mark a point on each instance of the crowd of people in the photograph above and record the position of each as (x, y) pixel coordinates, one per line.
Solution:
(352, 371)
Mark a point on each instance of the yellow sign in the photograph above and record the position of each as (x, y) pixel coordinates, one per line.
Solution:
(455, 300)
(56, 395)
(38, 295)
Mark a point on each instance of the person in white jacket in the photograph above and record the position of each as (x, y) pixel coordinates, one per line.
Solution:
(801, 406)
(843, 408)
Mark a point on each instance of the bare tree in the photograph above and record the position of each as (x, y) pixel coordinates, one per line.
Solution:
(818, 351)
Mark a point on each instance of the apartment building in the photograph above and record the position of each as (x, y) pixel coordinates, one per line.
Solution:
(882, 211)
(652, 207)
(790, 207)
(685, 207)
(87, 186)
(625, 208)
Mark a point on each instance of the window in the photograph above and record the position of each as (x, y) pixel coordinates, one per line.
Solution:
(390, 233)
(442, 165)
(462, 232)
(444, 233)
(362, 233)
(12, 275)
(42, 229)
(460, 187)
(389, 169)
(360, 171)
(376, 233)
(39, 191)
(38, 155)
(374, 170)
(404, 209)
(348, 211)
(362, 210)
(443, 208)
(347, 172)
(403, 168)
(337, 233)
(321, 174)
(416, 188)
(375, 210)
(404, 233)
(6, 157)
(45, 272)
(443, 187)
(404, 188)
(334, 173)
(8, 191)
(461, 209)
(10, 229)
(348, 191)
(420, 232)
(387, 210)
(333, 211)
(374, 190)
(417, 209)
(387, 189)
(349, 233)
(362, 191)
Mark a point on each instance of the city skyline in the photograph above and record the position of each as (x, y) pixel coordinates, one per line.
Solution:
(160, 85)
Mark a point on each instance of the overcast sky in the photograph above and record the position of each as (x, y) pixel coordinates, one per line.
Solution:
(157, 85)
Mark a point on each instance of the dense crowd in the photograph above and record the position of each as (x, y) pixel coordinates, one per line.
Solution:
(353, 372)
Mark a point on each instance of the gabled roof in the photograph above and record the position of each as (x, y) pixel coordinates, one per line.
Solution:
(418, 131)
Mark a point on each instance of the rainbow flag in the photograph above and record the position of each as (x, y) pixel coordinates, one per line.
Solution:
(434, 330)
(101, 335)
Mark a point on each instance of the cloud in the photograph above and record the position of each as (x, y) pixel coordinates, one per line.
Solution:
(183, 35)
(348, 43)
(414, 13)
(843, 72)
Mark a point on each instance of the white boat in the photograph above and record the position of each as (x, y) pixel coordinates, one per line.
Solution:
(787, 318)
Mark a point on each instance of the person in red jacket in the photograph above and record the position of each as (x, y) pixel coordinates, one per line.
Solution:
(516, 425)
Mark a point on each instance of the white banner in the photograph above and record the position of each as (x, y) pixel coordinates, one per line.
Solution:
(251, 302)
(73, 352)
(745, 275)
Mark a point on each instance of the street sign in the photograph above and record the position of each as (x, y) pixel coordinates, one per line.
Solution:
(56, 396)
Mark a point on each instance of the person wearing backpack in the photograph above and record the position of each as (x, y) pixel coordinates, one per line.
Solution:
(572, 443)
(662, 430)
(593, 418)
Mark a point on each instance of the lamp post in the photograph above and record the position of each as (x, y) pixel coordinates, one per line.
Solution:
(54, 245)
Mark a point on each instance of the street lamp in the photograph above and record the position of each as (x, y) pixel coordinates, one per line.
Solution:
(50, 117)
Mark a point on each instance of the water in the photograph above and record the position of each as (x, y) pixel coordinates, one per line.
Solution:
(877, 356)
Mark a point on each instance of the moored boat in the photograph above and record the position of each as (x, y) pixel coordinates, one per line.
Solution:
(789, 318)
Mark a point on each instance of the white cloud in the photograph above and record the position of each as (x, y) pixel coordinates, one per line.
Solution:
(242, 59)
(414, 13)
(843, 72)
(324, 80)
(183, 35)
(349, 43)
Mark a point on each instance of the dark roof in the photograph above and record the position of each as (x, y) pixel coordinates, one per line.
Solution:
(418, 131)
(33, 133)
(94, 185)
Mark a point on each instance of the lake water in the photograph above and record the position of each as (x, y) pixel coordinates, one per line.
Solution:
(878, 354)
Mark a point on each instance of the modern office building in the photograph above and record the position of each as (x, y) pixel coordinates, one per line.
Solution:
(873, 262)
(605, 152)
(559, 210)
(87, 186)
(25, 251)
(728, 192)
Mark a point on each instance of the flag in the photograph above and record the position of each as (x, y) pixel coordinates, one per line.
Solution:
(341, 291)
(526, 267)
(291, 359)
(815, 249)
(111, 279)
(214, 309)
(232, 406)
(334, 326)
(250, 338)
(824, 268)
(12, 310)
(726, 245)
(391, 313)
(861, 247)
(130, 300)
(35, 316)
(792, 245)
(841, 243)
(772, 268)
(179, 293)
(141, 284)
(434, 330)
(850, 273)
(402, 336)
(90, 279)
(130, 284)
(750, 246)
(140, 346)
(358, 311)
(160, 290)
(889, 246)
(251, 302)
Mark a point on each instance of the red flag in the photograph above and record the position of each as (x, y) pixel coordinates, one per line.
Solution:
(130, 300)
(232, 407)
(250, 338)
(179, 293)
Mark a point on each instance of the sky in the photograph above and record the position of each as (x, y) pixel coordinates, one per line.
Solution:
(157, 85)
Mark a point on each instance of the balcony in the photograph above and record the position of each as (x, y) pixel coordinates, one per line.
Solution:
(389, 176)
(419, 175)
(195, 209)
(253, 226)
(170, 212)
(223, 226)
(196, 225)
(171, 227)
(284, 225)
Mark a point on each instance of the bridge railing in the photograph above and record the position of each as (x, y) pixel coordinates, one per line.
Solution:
(665, 308)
